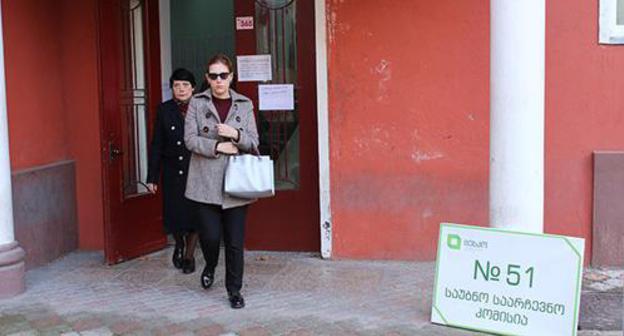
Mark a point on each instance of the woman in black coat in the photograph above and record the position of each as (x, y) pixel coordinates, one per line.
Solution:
(168, 152)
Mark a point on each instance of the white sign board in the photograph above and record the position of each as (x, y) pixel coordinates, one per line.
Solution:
(244, 23)
(507, 282)
(275, 97)
(254, 68)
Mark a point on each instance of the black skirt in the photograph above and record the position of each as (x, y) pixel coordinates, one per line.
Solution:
(178, 211)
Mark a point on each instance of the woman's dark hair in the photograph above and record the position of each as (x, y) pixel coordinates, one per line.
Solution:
(220, 58)
(181, 74)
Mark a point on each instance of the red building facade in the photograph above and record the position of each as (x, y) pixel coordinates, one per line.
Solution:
(402, 97)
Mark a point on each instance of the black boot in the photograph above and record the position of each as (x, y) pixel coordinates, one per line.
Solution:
(178, 250)
(207, 277)
(178, 255)
(236, 300)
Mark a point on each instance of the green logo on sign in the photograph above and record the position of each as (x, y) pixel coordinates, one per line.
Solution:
(453, 241)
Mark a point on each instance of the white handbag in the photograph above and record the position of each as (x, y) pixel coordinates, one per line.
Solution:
(249, 176)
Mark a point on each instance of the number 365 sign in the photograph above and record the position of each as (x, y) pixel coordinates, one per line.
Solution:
(507, 282)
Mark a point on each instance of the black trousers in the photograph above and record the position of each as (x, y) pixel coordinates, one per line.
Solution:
(214, 222)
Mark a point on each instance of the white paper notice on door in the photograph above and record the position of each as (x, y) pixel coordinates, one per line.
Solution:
(276, 97)
(254, 68)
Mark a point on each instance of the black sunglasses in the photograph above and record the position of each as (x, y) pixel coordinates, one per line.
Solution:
(223, 75)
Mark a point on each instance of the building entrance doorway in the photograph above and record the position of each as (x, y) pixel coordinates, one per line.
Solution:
(141, 42)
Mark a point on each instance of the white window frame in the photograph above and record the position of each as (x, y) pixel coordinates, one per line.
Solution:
(609, 31)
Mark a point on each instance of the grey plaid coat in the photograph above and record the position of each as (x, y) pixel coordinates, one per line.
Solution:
(207, 168)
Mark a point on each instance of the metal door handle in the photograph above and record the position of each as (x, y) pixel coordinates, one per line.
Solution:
(114, 151)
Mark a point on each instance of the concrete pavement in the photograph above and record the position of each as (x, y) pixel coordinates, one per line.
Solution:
(286, 294)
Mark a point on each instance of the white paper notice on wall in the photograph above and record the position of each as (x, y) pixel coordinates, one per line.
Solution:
(254, 68)
(244, 23)
(276, 97)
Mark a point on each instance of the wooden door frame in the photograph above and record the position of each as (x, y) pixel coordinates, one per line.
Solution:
(322, 115)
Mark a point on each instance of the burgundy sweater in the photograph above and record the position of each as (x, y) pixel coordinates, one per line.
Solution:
(223, 107)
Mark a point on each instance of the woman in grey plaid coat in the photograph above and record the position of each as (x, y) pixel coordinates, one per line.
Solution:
(219, 123)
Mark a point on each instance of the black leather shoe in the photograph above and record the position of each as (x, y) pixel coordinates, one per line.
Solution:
(188, 266)
(178, 255)
(207, 278)
(236, 300)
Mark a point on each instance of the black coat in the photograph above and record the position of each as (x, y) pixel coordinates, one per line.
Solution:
(167, 151)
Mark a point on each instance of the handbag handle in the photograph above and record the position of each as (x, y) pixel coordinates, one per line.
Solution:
(255, 151)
